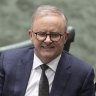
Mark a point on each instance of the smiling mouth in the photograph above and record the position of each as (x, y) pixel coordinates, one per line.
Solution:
(48, 47)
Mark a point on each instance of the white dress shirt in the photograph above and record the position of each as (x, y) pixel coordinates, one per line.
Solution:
(33, 84)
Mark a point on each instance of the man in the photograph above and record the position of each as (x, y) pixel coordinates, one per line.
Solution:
(22, 71)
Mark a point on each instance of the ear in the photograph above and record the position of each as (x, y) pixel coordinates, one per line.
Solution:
(66, 34)
(30, 33)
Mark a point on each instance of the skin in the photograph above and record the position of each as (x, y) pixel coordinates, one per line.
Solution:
(48, 50)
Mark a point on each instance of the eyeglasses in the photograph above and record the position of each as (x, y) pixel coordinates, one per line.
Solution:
(54, 36)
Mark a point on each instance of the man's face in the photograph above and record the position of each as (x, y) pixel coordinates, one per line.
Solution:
(48, 48)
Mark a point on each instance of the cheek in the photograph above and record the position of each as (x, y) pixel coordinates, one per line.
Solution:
(60, 45)
(36, 43)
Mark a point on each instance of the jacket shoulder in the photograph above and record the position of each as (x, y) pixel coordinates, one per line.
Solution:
(76, 63)
(13, 53)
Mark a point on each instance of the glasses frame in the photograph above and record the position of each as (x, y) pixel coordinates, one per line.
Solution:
(42, 38)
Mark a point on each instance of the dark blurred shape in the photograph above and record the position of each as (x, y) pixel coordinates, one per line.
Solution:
(71, 38)
(95, 86)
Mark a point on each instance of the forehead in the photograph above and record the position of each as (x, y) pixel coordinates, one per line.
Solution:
(48, 22)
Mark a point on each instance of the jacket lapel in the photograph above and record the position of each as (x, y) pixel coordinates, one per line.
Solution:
(23, 71)
(61, 77)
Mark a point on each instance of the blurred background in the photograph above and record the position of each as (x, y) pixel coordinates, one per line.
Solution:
(15, 20)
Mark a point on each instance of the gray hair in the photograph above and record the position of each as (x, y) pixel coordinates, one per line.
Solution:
(44, 10)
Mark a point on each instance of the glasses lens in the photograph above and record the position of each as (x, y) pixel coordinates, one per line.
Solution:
(55, 36)
(41, 35)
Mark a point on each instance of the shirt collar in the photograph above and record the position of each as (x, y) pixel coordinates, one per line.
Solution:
(53, 64)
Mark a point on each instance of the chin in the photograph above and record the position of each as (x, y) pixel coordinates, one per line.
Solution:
(48, 55)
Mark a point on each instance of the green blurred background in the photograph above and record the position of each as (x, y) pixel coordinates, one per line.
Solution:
(15, 20)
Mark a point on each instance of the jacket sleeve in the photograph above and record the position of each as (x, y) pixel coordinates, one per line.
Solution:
(88, 88)
(1, 74)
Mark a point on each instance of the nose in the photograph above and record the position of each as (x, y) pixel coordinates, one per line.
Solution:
(48, 39)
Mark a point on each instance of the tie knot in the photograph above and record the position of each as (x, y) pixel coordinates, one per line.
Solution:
(44, 67)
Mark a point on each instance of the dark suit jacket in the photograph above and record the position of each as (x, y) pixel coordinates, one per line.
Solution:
(73, 77)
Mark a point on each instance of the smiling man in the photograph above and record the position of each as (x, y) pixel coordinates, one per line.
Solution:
(46, 69)
(48, 34)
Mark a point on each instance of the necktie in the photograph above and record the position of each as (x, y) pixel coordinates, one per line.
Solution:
(43, 84)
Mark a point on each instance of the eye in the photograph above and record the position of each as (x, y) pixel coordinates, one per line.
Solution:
(43, 34)
(54, 35)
